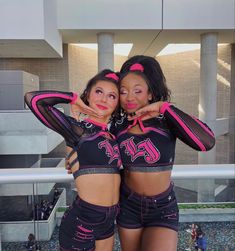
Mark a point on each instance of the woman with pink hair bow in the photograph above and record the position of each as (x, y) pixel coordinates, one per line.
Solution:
(94, 160)
(146, 135)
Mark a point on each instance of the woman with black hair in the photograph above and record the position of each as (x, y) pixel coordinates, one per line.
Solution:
(94, 160)
(146, 134)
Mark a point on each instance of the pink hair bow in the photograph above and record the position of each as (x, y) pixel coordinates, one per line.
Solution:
(137, 67)
(112, 75)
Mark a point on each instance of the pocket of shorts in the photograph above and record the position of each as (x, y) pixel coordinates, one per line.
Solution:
(166, 204)
(91, 216)
(171, 212)
(166, 201)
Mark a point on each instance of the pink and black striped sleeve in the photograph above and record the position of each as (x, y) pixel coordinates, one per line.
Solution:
(190, 130)
(41, 103)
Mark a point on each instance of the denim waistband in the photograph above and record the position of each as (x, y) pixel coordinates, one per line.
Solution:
(130, 193)
(80, 202)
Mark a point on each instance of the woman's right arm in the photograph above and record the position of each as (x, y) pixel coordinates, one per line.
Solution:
(41, 103)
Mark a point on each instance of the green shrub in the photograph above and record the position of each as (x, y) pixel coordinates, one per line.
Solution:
(201, 205)
(61, 209)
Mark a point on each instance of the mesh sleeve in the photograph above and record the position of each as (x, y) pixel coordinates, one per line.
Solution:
(41, 103)
(190, 130)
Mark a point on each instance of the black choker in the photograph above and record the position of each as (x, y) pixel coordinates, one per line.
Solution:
(132, 114)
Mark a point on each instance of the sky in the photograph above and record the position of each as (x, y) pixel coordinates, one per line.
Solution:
(124, 49)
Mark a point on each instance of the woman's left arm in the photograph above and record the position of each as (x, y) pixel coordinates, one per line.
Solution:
(190, 130)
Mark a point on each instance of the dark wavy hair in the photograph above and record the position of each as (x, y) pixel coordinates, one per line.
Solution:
(99, 77)
(152, 74)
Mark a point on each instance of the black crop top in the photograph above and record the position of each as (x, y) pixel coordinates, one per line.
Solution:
(96, 148)
(154, 150)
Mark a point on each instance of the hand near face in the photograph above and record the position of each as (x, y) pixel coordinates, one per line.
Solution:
(148, 111)
(80, 107)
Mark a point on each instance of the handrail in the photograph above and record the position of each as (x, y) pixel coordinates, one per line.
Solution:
(44, 175)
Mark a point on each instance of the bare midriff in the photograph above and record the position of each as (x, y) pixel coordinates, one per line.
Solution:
(148, 184)
(99, 189)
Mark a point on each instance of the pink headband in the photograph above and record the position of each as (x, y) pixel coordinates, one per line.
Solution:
(137, 67)
(112, 75)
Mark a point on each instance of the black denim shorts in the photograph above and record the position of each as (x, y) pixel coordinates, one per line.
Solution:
(84, 223)
(137, 211)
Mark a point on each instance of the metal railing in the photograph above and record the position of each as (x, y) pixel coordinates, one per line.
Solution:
(44, 175)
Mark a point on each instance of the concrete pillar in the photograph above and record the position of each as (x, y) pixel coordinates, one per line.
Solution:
(207, 106)
(231, 134)
(105, 51)
(232, 108)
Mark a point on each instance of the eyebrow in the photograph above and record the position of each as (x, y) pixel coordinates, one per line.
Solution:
(136, 85)
(116, 94)
(98, 87)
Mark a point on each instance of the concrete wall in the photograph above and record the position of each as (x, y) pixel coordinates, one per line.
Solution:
(182, 72)
(52, 73)
(51, 32)
(22, 22)
(22, 134)
(32, 29)
(182, 14)
(30, 24)
(78, 14)
(13, 86)
(209, 14)
(83, 65)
